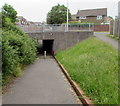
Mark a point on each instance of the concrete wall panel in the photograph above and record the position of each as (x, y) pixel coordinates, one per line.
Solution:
(62, 40)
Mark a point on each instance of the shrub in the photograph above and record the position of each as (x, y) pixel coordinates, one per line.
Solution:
(10, 60)
(8, 25)
(18, 49)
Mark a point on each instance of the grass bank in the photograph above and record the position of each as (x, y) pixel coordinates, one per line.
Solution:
(93, 64)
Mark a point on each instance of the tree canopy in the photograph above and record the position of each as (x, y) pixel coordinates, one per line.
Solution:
(58, 15)
(9, 12)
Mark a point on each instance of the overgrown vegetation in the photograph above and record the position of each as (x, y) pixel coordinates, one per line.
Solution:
(113, 36)
(93, 64)
(18, 49)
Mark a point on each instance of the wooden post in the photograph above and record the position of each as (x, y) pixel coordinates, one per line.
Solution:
(111, 27)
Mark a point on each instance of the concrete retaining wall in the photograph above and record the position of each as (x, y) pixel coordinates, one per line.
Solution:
(62, 40)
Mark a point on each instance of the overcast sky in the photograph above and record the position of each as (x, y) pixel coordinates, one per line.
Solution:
(36, 10)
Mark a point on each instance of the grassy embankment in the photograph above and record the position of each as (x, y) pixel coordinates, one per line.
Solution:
(93, 64)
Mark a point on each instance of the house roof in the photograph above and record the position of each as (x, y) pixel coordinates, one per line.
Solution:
(92, 12)
(21, 18)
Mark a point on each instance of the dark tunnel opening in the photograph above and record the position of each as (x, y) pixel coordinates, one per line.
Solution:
(47, 45)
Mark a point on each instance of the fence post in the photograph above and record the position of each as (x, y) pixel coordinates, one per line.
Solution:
(115, 32)
(65, 28)
(93, 27)
(111, 27)
(119, 28)
(43, 28)
(89, 27)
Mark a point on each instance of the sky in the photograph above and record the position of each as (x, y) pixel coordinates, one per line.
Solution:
(36, 10)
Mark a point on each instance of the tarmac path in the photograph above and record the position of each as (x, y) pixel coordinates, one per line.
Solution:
(111, 41)
(42, 83)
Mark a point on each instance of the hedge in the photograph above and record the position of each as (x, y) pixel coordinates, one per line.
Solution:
(18, 50)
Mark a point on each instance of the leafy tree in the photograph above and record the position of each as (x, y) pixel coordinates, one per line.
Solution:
(9, 11)
(57, 15)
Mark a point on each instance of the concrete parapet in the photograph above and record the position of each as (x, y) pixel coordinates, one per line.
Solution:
(62, 40)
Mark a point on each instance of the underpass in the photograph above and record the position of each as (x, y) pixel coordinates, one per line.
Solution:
(43, 81)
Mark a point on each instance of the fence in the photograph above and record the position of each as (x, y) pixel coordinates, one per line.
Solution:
(56, 28)
(101, 28)
(115, 27)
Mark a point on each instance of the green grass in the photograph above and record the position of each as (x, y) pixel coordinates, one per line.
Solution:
(114, 37)
(93, 64)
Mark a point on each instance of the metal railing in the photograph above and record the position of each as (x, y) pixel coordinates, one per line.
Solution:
(57, 27)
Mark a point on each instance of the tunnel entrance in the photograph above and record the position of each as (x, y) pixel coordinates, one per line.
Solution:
(47, 45)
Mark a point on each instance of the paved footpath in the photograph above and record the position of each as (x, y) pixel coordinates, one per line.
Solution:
(111, 41)
(42, 83)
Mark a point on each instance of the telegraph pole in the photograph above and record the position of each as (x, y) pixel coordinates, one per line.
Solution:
(67, 16)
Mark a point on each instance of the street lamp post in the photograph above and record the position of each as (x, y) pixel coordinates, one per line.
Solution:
(67, 16)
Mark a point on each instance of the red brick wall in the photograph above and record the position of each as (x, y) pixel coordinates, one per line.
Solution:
(101, 27)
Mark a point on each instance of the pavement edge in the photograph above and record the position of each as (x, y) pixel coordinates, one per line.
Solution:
(84, 99)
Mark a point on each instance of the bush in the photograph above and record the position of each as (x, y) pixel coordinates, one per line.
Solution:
(10, 60)
(18, 49)
(8, 25)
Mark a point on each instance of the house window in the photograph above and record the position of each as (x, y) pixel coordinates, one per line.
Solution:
(99, 17)
(82, 17)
